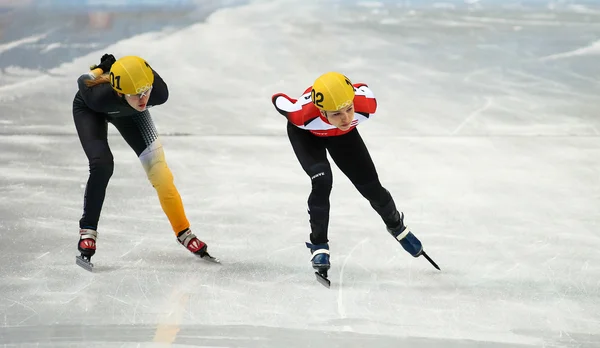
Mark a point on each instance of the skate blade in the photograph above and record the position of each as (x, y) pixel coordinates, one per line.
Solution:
(430, 260)
(323, 280)
(209, 258)
(85, 264)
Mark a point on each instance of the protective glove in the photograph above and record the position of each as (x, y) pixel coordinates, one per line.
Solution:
(106, 63)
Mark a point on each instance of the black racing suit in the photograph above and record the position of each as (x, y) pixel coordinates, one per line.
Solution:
(95, 107)
(351, 155)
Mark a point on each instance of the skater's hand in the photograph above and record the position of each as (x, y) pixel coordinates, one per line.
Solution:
(106, 62)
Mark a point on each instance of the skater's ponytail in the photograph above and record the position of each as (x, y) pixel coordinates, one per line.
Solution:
(104, 78)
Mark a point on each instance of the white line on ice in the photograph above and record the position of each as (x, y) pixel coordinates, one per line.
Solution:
(341, 309)
(117, 299)
(488, 103)
(592, 49)
(44, 254)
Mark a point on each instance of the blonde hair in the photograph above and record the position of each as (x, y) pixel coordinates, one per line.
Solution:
(98, 80)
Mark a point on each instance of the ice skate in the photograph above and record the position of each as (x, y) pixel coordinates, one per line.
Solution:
(320, 261)
(406, 238)
(195, 245)
(409, 241)
(87, 247)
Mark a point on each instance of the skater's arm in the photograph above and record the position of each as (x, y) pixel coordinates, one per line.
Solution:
(96, 97)
(364, 100)
(299, 111)
(160, 91)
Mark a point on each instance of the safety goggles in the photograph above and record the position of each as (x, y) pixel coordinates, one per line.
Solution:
(140, 95)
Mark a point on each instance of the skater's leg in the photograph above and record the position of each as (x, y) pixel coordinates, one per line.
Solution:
(92, 131)
(351, 155)
(310, 151)
(141, 135)
(161, 178)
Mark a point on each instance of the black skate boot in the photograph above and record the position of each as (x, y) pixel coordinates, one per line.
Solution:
(87, 247)
(320, 261)
(194, 245)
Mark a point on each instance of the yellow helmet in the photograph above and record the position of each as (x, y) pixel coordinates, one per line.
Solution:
(332, 91)
(131, 75)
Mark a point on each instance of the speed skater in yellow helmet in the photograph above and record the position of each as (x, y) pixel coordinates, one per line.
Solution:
(131, 75)
(332, 91)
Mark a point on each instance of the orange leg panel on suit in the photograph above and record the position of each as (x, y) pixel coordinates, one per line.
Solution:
(161, 178)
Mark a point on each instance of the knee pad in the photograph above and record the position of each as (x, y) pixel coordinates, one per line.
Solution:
(155, 165)
(320, 174)
(103, 165)
(100, 158)
(321, 178)
(322, 181)
(160, 175)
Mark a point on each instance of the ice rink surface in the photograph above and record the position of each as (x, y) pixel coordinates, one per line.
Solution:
(487, 135)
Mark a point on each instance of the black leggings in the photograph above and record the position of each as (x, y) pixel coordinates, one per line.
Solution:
(350, 154)
(92, 127)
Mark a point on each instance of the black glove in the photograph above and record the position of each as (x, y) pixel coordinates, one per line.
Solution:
(106, 62)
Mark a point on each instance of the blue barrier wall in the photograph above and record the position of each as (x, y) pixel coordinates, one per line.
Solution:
(115, 5)
(141, 5)
(61, 30)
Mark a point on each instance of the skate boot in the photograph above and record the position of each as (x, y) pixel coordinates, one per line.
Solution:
(409, 242)
(320, 261)
(406, 238)
(194, 245)
(87, 247)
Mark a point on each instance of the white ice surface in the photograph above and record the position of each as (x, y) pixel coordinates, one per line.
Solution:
(491, 150)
